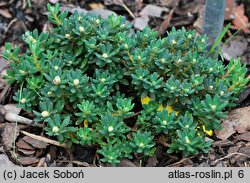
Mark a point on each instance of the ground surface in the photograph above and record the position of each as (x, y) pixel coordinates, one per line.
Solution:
(231, 146)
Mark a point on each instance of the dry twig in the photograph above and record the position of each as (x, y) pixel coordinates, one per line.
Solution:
(180, 162)
(10, 24)
(127, 9)
(133, 115)
(229, 155)
(44, 139)
(12, 117)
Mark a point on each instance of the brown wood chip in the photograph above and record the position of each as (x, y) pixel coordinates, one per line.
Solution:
(222, 143)
(25, 161)
(24, 145)
(9, 134)
(35, 143)
(26, 152)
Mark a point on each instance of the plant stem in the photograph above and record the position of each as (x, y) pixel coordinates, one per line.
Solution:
(133, 115)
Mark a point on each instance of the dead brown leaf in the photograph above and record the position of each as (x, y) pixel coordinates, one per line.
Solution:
(9, 134)
(229, 11)
(5, 13)
(237, 117)
(240, 21)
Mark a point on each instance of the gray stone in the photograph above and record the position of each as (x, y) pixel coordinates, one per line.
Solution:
(5, 162)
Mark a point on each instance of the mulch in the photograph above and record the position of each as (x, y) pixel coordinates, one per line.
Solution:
(33, 148)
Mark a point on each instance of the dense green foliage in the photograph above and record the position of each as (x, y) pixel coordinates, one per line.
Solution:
(86, 77)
